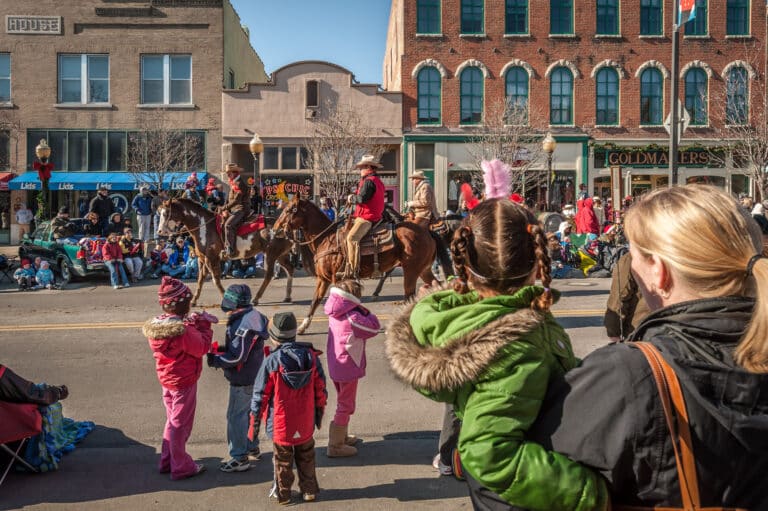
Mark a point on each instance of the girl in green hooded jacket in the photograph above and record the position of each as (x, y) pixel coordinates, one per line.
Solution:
(490, 347)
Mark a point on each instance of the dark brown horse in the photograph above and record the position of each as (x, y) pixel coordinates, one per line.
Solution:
(201, 225)
(414, 251)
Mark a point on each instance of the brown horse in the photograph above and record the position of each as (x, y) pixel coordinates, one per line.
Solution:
(414, 251)
(201, 225)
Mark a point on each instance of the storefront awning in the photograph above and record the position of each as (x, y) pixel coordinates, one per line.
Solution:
(4, 178)
(93, 180)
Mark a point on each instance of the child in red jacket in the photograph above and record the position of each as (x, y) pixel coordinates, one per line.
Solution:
(292, 382)
(178, 341)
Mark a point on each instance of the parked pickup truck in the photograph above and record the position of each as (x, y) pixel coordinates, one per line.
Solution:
(61, 255)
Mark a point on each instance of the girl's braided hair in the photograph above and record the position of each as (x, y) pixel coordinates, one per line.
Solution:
(498, 247)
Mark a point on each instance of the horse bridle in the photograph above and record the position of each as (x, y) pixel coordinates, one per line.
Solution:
(190, 231)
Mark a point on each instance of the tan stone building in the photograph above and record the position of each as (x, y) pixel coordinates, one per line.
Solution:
(85, 74)
(284, 112)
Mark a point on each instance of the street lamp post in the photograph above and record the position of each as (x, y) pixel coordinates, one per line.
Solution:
(257, 147)
(44, 169)
(548, 145)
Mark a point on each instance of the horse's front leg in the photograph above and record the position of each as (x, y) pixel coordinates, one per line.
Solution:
(320, 289)
(214, 267)
(201, 273)
(285, 262)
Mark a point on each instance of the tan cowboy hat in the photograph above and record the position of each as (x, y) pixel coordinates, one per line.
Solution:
(368, 160)
(417, 174)
(233, 167)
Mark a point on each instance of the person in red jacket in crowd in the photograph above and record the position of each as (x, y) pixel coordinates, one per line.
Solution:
(179, 341)
(586, 219)
(112, 253)
(291, 382)
(369, 200)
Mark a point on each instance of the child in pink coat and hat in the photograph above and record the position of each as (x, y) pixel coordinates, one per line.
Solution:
(349, 325)
(179, 341)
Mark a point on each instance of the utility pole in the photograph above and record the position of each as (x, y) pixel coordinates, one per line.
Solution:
(674, 93)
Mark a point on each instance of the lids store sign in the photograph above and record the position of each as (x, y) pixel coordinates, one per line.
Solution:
(660, 158)
(50, 25)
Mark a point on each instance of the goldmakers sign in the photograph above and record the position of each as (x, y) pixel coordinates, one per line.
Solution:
(629, 157)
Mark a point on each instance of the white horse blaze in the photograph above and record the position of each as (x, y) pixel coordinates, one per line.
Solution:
(244, 244)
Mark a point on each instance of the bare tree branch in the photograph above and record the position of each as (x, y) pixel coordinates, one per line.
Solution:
(506, 135)
(339, 138)
(159, 149)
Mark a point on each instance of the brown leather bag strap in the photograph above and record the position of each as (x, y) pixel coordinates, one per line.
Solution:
(671, 395)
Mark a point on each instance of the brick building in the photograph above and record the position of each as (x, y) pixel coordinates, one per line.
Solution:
(86, 74)
(594, 73)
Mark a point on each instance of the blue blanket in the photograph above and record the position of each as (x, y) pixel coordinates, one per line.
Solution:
(58, 437)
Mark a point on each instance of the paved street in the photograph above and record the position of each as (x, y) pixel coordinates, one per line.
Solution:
(88, 337)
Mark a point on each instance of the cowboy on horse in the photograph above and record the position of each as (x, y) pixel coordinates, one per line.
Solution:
(237, 209)
(423, 203)
(369, 200)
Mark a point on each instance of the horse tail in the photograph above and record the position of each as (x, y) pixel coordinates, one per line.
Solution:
(442, 254)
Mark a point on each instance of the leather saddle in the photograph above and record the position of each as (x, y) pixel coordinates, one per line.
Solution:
(380, 238)
(252, 222)
(439, 227)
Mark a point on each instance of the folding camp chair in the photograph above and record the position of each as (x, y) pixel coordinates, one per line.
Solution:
(18, 422)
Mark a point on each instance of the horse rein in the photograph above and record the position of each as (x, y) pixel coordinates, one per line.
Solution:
(190, 231)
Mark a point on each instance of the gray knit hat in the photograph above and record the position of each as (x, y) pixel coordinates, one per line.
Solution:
(282, 327)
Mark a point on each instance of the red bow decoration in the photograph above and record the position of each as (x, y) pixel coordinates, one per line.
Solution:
(43, 170)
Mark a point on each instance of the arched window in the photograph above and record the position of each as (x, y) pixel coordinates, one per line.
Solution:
(737, 101)
(651, 96)
(561, 96)
(517, 95)
(696, 96)
(607, 97)
(471, 95)
(429, 87)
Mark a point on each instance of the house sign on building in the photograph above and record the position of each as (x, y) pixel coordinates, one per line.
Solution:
(19, 24)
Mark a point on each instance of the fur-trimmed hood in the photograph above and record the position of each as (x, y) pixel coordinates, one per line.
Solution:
(458, 361)
(163, 327)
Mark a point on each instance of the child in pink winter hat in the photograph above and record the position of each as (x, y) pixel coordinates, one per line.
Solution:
(178, 341)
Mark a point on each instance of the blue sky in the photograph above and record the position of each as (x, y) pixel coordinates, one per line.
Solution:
(350, 33)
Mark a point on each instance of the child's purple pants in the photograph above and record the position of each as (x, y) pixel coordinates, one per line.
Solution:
(180, 412)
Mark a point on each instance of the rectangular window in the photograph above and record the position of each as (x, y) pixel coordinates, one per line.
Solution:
(698, 25)
(166, 79)
(101, 150)
(5, 149)
(428, 17)
(650, 17)
(97, 151)
(116, 150)
(270, 158)
(472, 16)
(425, 156)
(77, 144)
(737, 18)
(289, 158)
(516, 17)
(561, 17)
(313, 94)
(5, 77)
(607, 17)
(84, 79)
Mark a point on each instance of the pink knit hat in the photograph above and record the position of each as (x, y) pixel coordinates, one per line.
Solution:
(173, 291)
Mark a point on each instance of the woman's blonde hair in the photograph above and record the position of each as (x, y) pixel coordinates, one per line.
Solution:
(702, 234)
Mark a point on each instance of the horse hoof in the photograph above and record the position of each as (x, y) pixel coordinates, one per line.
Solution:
(193, 304)
(287, 299)
(255, 302)
(303, 327)
(375, 298)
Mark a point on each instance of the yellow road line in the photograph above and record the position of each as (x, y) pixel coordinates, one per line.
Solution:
(138, 324)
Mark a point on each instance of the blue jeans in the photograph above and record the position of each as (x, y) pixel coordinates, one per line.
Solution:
(114, 266)
(191, 269)
(238, 418)
(179, 270)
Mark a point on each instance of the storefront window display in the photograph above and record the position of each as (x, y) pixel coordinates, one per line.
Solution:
(455, 179)
(563, 189)
(284, 188)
